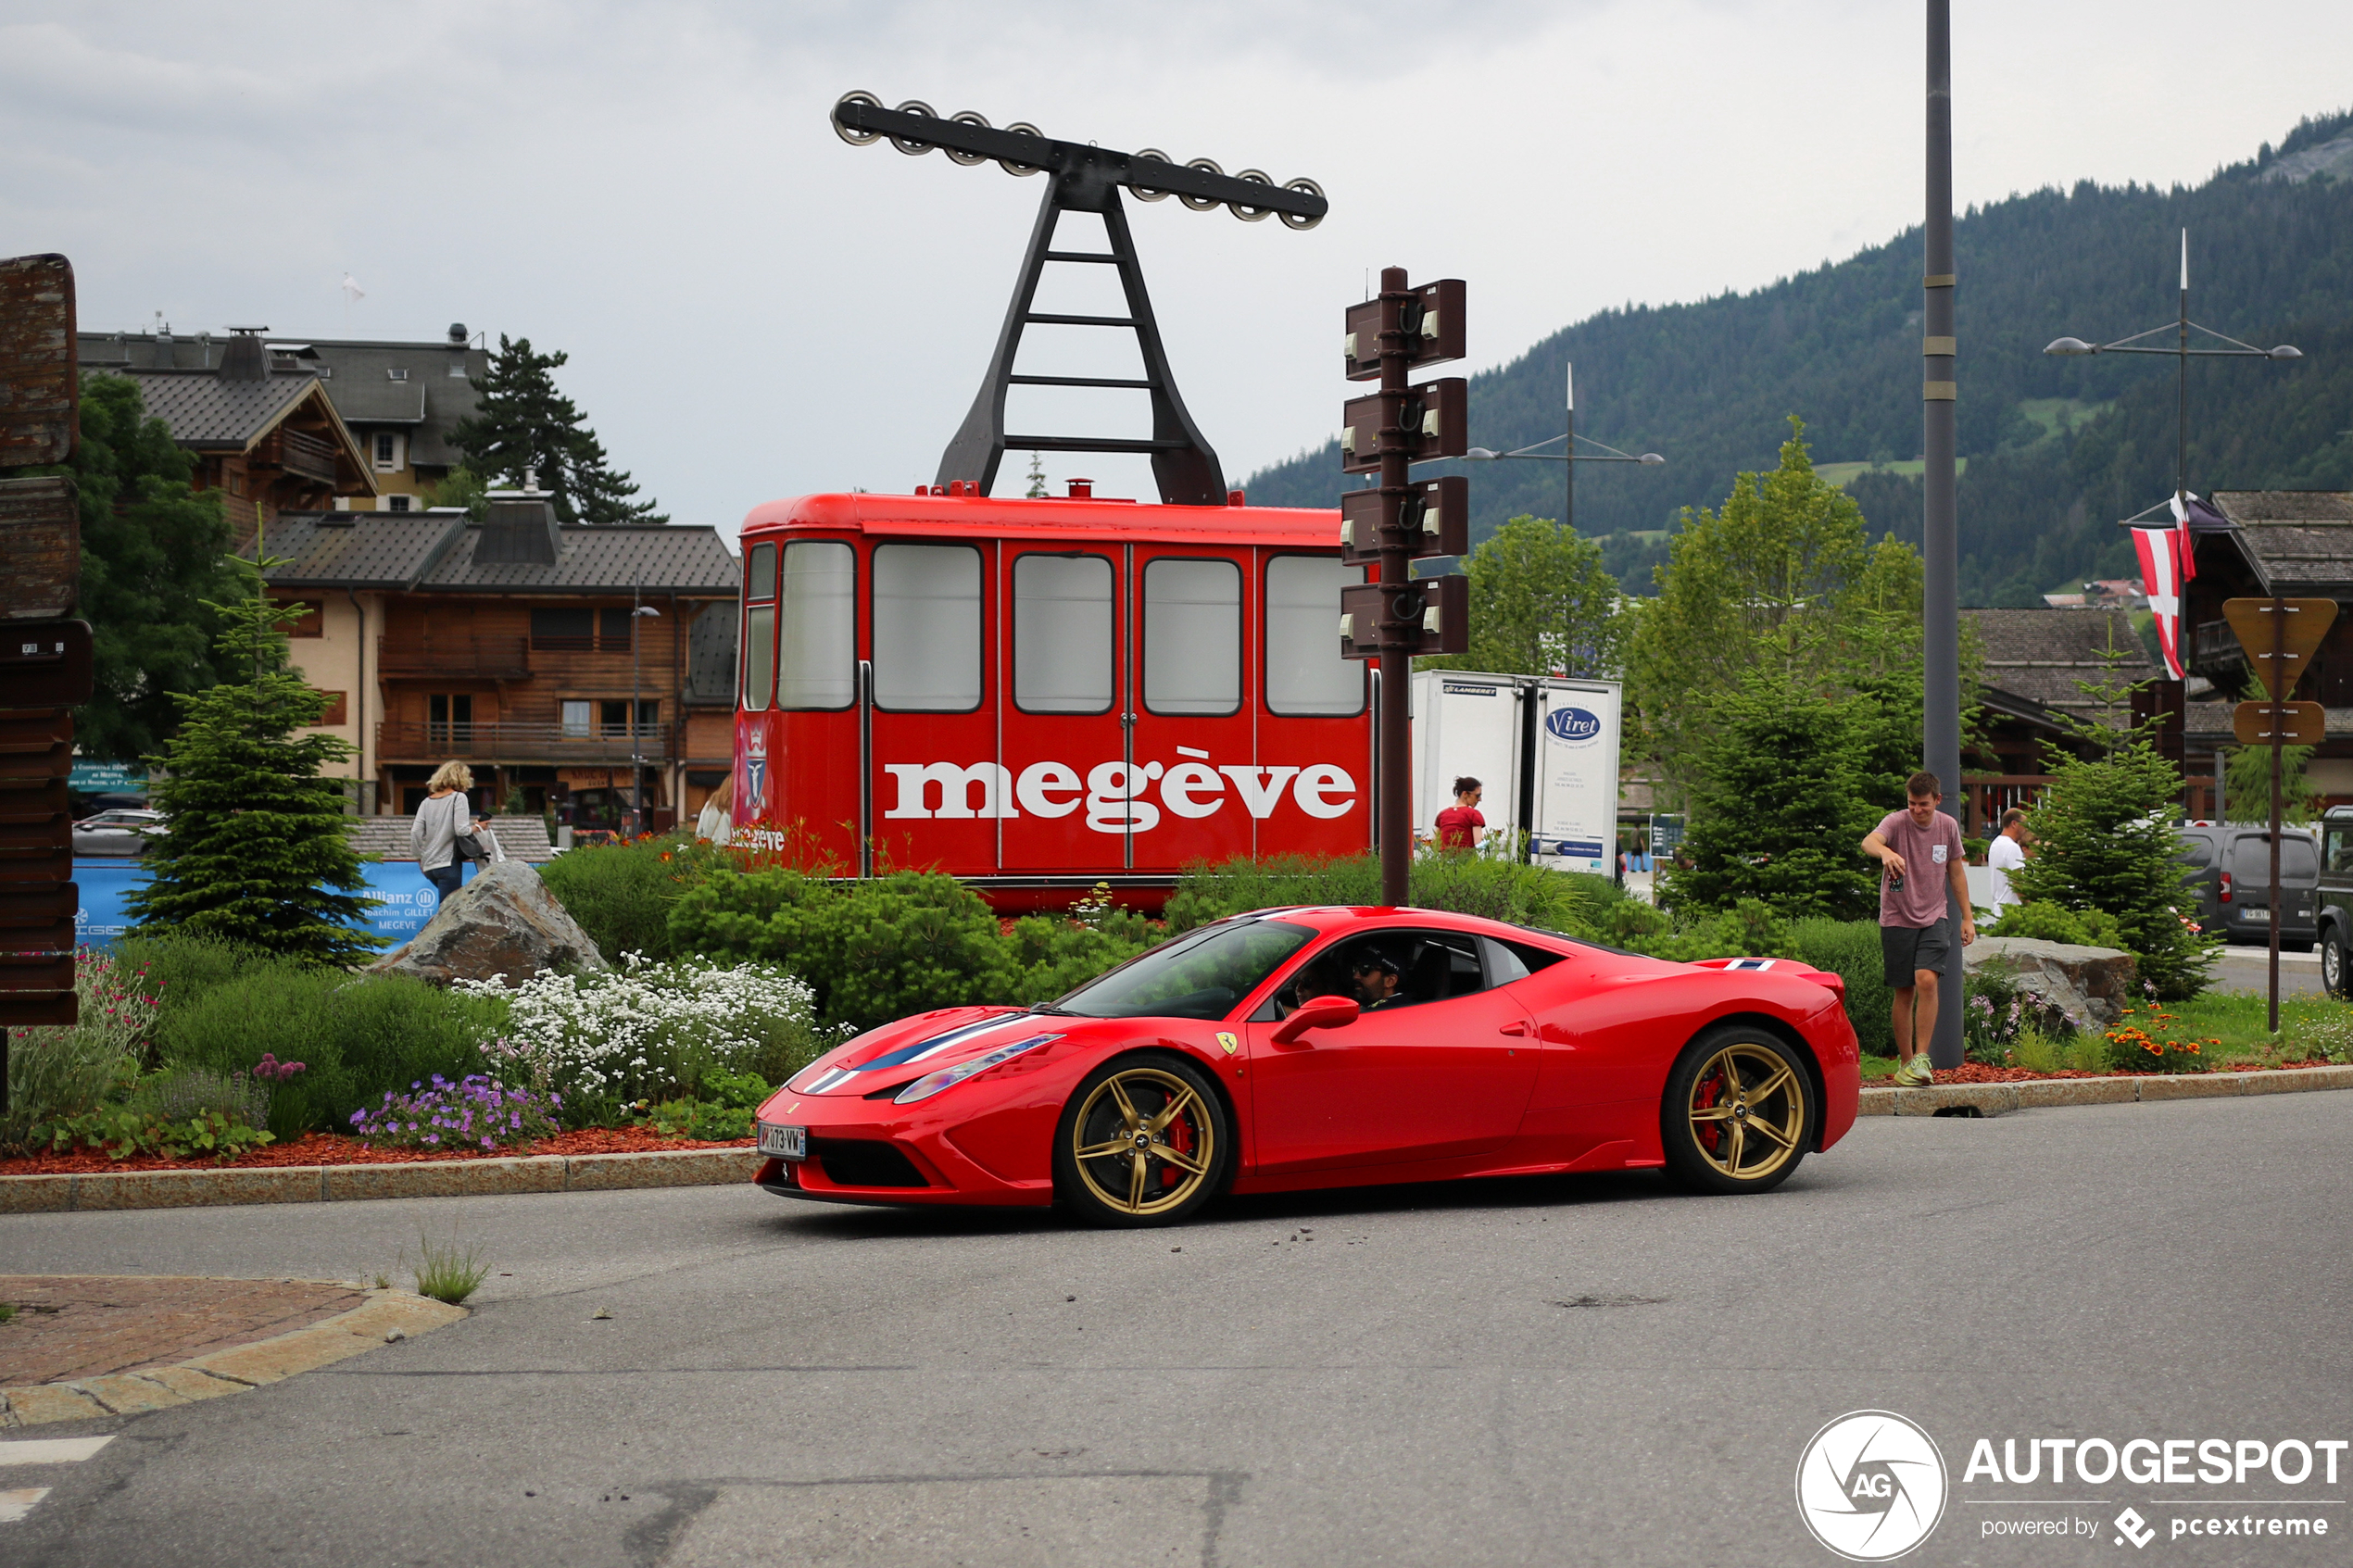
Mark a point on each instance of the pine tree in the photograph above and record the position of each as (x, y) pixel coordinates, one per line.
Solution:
(258, 848)
(523, 423)
(1037, 491)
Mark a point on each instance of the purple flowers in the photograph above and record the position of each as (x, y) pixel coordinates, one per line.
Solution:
(270, 1068)
(473, 1110)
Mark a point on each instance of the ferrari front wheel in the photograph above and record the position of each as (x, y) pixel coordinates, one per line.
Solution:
(1144, 1141)
(1738, 1110)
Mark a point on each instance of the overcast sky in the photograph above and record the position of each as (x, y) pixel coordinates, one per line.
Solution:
(754, 309)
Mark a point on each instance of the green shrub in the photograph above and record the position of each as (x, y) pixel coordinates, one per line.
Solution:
(2051, 922)
(621, 893)
(1850, 949)
(357, 1038)
(1471, 885)
(68, 1073)
(1053, 957)
(872, 951)
(181, 966)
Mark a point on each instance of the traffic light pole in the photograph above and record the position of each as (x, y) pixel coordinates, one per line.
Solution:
(1398, 636)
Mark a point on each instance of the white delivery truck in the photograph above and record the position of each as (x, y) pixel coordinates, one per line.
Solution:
(1547, 748)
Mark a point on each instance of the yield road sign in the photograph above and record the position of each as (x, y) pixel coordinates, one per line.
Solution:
(2279, 636)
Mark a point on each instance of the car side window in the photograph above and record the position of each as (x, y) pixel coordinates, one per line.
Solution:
(2340, 851)
(1507, 962)
(1387, 971)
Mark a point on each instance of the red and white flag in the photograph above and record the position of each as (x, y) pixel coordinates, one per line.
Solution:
(2161, 550)
(2188, 546)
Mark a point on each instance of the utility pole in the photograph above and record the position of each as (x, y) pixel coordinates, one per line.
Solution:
(1569, 474)
(1941, 561)
(1395, 617)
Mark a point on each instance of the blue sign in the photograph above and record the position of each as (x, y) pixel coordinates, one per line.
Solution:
(400, 898)
(107, 778)
(1572, 725)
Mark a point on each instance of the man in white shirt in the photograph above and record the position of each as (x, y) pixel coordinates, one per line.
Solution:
(2005, 855)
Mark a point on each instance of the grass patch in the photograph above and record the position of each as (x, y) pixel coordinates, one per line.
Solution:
(449, 1271)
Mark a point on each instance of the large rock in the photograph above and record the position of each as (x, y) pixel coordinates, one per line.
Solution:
(2088, 986)
(503, 922)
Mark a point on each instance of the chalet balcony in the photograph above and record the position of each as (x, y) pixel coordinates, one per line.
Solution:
(400, 741)
(302, 455)
(2215, 652)
(482, 656)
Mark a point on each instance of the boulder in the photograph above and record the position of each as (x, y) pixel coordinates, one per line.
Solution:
(503, 922)
(2090, 987)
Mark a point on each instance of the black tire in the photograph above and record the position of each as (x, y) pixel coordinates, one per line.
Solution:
(1713, 1136)
(2336, 965)
(1142, 1123)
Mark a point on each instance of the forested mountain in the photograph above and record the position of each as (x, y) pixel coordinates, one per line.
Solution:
(2058, 450)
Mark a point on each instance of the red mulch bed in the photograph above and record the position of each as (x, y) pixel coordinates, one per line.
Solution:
(1978, 1072)
(334, 1148)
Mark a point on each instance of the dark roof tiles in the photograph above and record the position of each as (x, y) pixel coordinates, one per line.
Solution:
(434, 552)
(2040, 654)
(207, 413)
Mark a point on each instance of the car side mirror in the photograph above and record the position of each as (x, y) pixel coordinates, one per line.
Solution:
(1316, 1012)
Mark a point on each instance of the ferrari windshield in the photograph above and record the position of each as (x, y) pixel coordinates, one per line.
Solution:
(1201, 974)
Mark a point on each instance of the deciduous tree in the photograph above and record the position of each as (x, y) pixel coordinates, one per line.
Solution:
(1540, 602)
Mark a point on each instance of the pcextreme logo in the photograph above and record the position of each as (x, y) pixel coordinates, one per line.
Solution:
(1871, 1485)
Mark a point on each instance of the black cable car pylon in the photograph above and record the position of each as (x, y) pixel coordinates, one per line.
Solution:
(1084, 178)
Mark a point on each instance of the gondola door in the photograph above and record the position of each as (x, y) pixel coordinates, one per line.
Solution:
(1196, 791)
(1066, 693)
(937, 789)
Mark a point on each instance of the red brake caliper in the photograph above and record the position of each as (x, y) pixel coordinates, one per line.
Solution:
(1709, 1134)
(1180, 1138)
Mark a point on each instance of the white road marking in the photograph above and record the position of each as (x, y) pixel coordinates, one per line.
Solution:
(51, 1450)
(16, 1505)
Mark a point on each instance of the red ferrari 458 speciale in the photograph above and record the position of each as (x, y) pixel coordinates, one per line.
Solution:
(1320, 1048)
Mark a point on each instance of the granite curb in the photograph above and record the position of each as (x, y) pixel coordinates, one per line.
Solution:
(386, 1315)
(335, 1184)
(1995, 1100)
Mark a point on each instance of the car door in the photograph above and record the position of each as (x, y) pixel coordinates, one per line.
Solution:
(1444, 1069)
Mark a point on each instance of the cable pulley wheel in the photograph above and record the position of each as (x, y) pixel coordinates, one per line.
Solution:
(1252, 214)
(913, 149)
(1022, 128)
(1138, 191)
(856, 138)
(1201, 204)
(966, 117)
(1305, 188)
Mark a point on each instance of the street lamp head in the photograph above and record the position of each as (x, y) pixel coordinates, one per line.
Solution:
(1652, 458)
(645, 610)
(2287, 351)
(2070, 345)
(1480, 455)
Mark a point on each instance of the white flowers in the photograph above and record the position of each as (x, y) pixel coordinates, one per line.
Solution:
(646, 1029)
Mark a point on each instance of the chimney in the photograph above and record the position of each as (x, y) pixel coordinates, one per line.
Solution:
(521, 528)
(242, 358)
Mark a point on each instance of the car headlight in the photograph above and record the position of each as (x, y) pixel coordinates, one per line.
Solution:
(931, 1083)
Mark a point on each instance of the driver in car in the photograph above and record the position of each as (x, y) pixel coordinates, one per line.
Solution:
(1373, 980)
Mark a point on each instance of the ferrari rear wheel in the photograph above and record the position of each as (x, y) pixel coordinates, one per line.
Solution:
(1144, 1141)
(1738, 1110)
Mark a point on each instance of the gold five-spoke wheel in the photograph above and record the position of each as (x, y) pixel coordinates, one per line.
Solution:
(1739, 1112)
(1144, 1142)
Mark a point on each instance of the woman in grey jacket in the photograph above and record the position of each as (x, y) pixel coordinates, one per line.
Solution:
(441, 817)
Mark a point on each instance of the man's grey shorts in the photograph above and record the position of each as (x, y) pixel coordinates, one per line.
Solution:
(1904, 949)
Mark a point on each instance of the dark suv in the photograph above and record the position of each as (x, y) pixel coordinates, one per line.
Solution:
(2230, 867)
(2336, 901)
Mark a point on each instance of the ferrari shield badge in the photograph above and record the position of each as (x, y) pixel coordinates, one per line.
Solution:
(1231, 1044)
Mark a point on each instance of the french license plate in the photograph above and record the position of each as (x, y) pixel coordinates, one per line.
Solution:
(785, 1143)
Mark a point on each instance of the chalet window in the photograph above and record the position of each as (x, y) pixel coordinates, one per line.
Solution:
(612, 630)
(449, 719)
(1305, 674)
(1062, 633)
(817, 626)
(387, 451)
(399, 503)
(457, 370)
(313, 612)
(1193, 636)
(926, 628)
(614, 717)
(577, 721)
(563, 630)
(395, 375)
(338, 710)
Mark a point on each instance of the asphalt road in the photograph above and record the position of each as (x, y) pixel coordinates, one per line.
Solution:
(1575, 1370)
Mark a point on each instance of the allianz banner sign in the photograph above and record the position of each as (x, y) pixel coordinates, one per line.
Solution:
(399, 899)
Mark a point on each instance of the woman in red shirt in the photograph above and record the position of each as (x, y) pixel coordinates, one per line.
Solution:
(1459, 825)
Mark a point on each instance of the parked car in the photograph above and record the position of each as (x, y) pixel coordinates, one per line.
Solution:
(121, 831)
(2231, 868)
(2336, 901)
(1329, 1047)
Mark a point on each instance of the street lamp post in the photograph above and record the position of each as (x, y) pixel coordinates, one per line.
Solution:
(1569, 457)
(639, 609)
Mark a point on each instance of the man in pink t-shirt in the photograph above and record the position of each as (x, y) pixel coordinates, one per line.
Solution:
(1925, 866)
